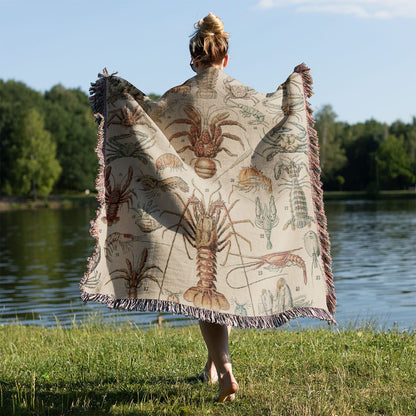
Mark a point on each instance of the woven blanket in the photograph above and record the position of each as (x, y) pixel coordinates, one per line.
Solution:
(210, 202)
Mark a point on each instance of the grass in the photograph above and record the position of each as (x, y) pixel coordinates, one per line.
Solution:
(108, 369)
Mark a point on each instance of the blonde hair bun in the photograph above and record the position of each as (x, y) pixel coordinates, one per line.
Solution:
(209, 42)
(211, 25)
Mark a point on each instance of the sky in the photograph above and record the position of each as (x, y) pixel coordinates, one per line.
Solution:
(362, 53)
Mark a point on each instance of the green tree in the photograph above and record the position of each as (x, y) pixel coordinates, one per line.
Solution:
(35, 168)
(14, 98)
(70, 120)
(394, 164)
(153, 96)
(408, 133)
(361, 142)
(332, 154)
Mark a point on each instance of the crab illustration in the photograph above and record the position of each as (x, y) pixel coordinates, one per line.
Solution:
(239, 91)
(128, 118)
(206, 138)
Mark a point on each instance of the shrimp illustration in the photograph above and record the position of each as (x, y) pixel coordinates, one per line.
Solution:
(313, 249)
(153, 186)
(274, 261)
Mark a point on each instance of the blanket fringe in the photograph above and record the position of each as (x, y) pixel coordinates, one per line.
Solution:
(304, 71)
(98, 100)
(254, 322)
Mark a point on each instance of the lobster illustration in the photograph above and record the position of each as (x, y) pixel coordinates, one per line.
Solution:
(298, 206)
(135, 274)
(117, 195)
(205, 140)
(208, 229)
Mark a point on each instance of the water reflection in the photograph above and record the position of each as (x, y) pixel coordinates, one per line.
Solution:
(43, 257)
(374, 261)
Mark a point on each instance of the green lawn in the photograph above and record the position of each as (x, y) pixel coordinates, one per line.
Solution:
(109, 369)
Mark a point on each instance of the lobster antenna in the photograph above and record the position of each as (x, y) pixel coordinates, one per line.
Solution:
(217, 190)
(202, 195)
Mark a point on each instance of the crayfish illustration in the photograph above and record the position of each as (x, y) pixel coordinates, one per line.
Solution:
(208, 229)
(135, 274)
(117, 195)
(206, 138)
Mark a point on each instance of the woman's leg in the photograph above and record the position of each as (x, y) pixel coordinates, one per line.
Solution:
(216, 339)
(209, 373)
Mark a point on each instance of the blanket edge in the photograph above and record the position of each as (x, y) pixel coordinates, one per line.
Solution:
(317, 191)
(244, 322)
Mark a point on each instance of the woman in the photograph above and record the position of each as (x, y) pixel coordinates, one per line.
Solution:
(209, 48)
(209, 196)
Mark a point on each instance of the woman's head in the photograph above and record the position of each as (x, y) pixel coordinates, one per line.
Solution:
(209, 44)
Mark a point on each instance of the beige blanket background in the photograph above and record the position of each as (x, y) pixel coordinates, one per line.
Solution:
(210, 202)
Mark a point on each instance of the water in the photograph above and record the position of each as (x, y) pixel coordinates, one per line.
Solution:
(43, 257)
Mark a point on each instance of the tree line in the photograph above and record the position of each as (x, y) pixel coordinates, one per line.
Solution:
(367, 156)
(47, 143)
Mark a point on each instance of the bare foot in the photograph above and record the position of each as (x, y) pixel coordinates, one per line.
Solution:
(228, 388)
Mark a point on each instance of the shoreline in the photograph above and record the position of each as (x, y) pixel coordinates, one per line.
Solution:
(67, 201)
(61, 201)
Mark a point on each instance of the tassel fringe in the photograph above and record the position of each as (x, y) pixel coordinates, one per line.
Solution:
(255, 322)
(304, 71)
(98, 103)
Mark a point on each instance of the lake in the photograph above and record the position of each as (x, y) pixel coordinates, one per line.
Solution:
(43, 257)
